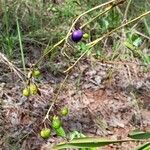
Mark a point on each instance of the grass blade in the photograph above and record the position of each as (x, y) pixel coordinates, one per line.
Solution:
(21, 47)
(145, 146)
(139, 135)
(87, 142)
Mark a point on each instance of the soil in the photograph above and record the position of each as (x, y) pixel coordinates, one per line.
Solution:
(104, 99)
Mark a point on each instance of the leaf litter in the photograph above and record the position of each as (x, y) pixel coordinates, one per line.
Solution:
(104, 100)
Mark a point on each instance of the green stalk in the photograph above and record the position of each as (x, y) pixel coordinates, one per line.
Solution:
(147, 26)
(6, 18)
(21, 47)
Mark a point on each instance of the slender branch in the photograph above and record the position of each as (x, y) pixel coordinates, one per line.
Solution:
(61, 41)
(86, 12)
(55, 99)
(12, 67)
(141, 34)
(76, 61)
(147, 26)
(100, 14)
(91, 44)
(38, 61)
(126, 11)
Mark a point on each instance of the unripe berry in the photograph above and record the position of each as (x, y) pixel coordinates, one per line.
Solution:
(64, 111)
(26, 92)
(60, 132)
(85, 35)
(36, 73)
(33, 89)
(45, 133)
(56, 122)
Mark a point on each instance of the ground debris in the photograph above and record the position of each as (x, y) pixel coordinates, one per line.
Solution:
(105, 100)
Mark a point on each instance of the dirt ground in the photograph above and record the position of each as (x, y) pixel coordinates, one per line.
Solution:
(105, 99)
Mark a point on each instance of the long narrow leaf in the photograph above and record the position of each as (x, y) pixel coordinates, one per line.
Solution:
(139, 135)
(21, 46)
(145, 146)
(87, 142)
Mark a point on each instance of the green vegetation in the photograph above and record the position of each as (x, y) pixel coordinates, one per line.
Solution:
(43, 24)
(117, 31)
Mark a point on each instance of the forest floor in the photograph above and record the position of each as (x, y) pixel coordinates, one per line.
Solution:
(107, 99)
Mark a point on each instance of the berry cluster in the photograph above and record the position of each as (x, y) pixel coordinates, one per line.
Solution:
(32, 88)
(56, 125)
(77, 35)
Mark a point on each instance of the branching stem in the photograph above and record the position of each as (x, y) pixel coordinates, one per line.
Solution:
(93, 43)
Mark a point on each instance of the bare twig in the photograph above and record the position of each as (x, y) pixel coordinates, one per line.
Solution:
(141, 34)
(86, 12)
(55, 99)
(41, 58)
(16, 70)
(126, 11)
(92, 44)
(100, 14)
(99, 6)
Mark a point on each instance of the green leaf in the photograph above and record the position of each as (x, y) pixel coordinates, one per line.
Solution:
(60, 132)
(146, 59)
(83, 47)
(145, 146)
(76, 134)
(137, 42)
(87, 142)
(147, 26)
(139, 135)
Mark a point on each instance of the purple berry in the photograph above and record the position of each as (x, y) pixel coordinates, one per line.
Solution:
(77, 35)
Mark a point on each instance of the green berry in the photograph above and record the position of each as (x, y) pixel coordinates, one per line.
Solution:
(56, 122)
(26, 92)
(85, 35)
(64, 111)
(45, 133)
(33, 89)
(36, 73)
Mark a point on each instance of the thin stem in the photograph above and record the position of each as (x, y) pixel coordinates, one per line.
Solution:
(61, 41)
(86, 12)
(55, 99)
(76, 61)
(12, 67)
(21, 47)
(147, 26)
(91, 44)
(6, 18)
(126, 11)
(141, 34)
(106, 10)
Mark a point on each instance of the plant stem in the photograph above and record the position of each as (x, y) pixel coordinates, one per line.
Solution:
(86, 12)
(92, 44)
(126, 11)
(21, 47)
(100, 14)
(40, 59)
(61, 41)
(55, 99)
